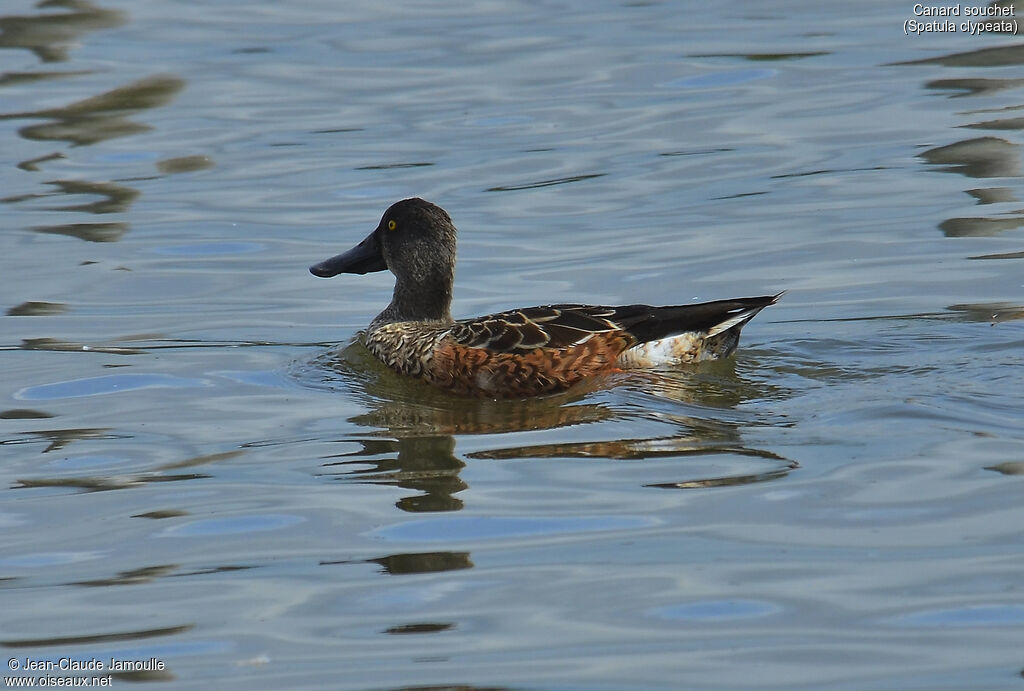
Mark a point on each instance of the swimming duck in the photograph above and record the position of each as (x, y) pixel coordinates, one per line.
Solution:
(521, 352)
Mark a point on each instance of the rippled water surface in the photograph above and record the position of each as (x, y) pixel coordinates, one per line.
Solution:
(196, 467)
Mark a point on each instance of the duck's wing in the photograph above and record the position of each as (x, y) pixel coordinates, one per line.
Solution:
(525, 330)
(564, 326)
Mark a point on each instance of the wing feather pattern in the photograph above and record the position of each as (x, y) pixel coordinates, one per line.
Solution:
(524, 330)
(563, 326)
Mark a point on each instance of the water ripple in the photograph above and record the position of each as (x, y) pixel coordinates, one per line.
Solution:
(111, 383)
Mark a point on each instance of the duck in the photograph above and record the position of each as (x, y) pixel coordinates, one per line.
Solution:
(519, 353)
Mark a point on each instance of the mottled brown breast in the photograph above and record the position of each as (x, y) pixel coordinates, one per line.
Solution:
(407, 347)
(483, 372)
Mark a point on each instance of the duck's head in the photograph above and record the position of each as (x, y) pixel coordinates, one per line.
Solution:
(415, 240)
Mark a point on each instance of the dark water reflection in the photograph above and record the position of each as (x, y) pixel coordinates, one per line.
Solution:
(105, 482)
(417, 562)
(36, 308)
(974, 86)
(117, 198)
(979, 227)
(50, 35)
(88, 121)
(101, 117)
(90, 232)
(147, 574)
(993, 313)
(94, 638)
(983, 57)
(981, 157)
(24, 414)
(57, 439)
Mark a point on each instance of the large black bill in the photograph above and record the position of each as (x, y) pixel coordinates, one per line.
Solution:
(364, 258)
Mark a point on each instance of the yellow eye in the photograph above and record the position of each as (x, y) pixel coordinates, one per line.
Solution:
(392, 225)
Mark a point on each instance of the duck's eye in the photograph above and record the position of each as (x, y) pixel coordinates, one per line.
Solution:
(392, 225)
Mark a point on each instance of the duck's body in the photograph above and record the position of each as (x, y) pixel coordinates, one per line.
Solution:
(522, 352)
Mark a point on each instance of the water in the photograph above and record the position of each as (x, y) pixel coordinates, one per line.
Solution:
(196, 468)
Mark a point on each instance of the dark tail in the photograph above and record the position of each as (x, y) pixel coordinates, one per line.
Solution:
(721, 320)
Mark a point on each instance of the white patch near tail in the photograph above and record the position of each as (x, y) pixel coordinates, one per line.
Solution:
(685, 347)
(739, 317)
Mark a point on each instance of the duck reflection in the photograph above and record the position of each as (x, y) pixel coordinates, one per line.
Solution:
(413, 445)
(425, 464)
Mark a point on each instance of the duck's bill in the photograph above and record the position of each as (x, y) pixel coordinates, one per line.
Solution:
(364, 258)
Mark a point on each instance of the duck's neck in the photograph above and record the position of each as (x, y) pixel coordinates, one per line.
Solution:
(421, 301)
